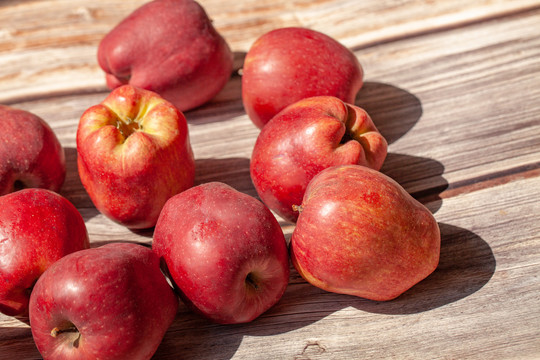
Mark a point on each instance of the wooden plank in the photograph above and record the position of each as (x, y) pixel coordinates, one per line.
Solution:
(357, 23)
(433, 124)
(44, 52)
(481, 302)
(456, 96)
(459, 105)
(484, 288)
(445, 131)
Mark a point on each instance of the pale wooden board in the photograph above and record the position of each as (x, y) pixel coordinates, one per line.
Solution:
(452, 85)
(429, 96)
(470, 106)
(49, 46)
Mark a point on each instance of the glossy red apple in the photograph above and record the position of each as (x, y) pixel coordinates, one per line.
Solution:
(225, 252)
(37, 228)
(169, 47)
(30, 154)
(289, 64)
(111, 302)
(360, 233)
(305, 138)
(134, 153)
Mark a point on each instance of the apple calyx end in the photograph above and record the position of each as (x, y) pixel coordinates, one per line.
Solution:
(127, 126)
(297, 208)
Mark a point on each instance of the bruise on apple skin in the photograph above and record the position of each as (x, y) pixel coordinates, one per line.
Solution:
(376, 239)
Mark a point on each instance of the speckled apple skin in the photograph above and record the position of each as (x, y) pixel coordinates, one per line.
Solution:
(211, 237)
(30, 152)
(305, 138)
(129, 179)
(292, 63)
(360, 233)
(37, 228)
(169, 47)
(115, 295)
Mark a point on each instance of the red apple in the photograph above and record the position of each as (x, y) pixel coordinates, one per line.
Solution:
(30, 154)
(360, 233)
(37, 227)
(134, 153)
(305, 138)
(169, 47)
(110, 302)
(225, 252)
(290, 64)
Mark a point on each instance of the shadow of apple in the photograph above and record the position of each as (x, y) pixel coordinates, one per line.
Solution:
(73, 190)
(393, 110)
(226, 104)
(231, 171)
(421, 177)
(467, 263)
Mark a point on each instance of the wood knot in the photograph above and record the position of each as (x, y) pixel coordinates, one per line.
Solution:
(311, 350)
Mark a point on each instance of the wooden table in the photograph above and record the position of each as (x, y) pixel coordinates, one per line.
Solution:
(454, 85)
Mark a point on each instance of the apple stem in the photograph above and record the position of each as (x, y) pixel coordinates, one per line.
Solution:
(57, 331)
(298, 208)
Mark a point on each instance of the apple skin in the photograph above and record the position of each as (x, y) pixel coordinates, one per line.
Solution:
(289, 64)
(169, 47)
(134, 153)
(110, 302)
(360, 233)
(30, 154)
(225, 252)
(305, 138)
(37, 228)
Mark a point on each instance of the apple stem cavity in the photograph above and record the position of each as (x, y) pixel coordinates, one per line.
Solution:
(19, 185)
(250, 281)
(28, 290)
(68, 329)
(346, 137)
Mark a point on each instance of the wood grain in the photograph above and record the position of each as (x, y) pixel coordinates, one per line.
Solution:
(452, 85)
(54, 51)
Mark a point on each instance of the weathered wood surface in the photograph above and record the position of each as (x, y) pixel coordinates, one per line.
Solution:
(453, 85)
